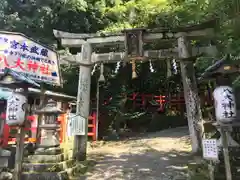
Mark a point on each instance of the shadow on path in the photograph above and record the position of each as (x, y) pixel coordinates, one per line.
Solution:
(152, 158)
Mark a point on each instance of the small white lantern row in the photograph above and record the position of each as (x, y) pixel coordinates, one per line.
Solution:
(16, 109)
(225, 104)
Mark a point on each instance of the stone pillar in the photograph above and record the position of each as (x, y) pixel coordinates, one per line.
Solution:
(192, 101)
(83, 102)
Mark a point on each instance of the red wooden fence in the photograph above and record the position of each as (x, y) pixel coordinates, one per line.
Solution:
(139, 100)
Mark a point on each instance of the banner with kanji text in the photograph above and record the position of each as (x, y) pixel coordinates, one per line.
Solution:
(26, 56)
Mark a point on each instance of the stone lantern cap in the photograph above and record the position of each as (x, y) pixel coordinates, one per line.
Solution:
(50, 108)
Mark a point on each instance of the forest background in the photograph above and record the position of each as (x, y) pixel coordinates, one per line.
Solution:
(38, 18)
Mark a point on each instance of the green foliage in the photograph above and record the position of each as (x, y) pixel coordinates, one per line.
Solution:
(37, 19)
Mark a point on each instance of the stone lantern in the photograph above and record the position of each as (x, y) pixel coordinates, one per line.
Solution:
(49, 126)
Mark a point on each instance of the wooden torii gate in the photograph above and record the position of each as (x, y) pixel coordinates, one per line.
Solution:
(184, 52)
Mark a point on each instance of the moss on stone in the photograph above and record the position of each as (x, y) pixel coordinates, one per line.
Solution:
(198, 171)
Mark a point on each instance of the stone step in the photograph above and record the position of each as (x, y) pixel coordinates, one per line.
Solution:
(80, 169)
(45, 175)
(45, 158)
(76, 170)
(73, 173)
(48, 151)
(46, 167)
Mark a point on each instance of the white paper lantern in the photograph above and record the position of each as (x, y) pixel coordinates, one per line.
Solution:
(225, 104)
(16, 109)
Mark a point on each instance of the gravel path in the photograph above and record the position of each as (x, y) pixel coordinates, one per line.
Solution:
(156, 156)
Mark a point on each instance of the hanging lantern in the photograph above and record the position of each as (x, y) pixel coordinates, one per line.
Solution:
(101, 78)
(225, 104)
(16, 109)
(134, 74)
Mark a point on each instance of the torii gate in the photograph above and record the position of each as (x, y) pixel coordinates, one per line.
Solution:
(184, 53)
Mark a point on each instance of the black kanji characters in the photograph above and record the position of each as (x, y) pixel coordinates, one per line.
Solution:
(24, 47)
(228, 103)
(34, 50)
(5, 40)
(12, 108)
(44, 52)
(228, 91)
(14, 44)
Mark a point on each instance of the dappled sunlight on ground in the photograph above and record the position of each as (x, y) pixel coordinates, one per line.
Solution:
(161, 157)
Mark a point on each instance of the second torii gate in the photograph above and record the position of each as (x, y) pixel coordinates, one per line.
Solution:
(184, 52)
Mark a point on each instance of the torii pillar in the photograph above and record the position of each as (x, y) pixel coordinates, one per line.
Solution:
(83, 101)
(84, 61)
(192, 101)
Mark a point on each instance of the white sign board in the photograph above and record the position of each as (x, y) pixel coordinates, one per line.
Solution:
(69, 128)
(225, 104)
(26, 56)
(210, 149)
(16, 109)
(76, 125)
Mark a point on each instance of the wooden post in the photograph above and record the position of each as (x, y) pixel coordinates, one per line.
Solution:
(83, 102)
(211, 170)
(226, 153)
(224, 80)
(20, 146)
(192, 101)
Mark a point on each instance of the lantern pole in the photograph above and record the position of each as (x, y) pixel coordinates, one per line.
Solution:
(224, 80)
(20, 144)
(16, 114)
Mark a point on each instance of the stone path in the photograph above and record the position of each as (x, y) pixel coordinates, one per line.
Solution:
(156, 156)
